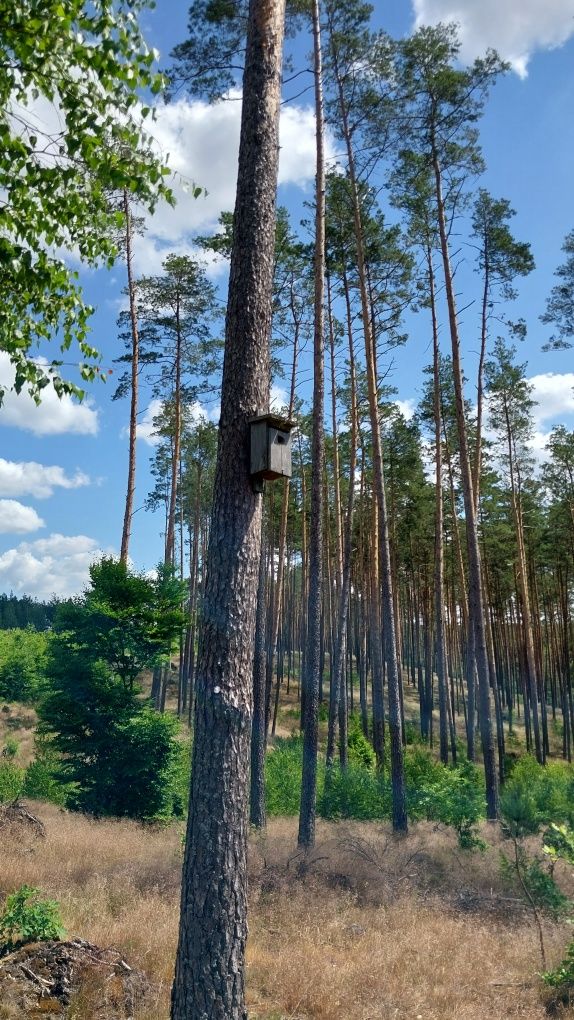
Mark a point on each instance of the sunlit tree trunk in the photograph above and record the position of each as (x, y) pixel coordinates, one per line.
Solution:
(209, 981)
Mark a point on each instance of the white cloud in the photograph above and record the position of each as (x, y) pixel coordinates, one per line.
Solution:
(278, 398)
(202, 141)
(554, 396)
(17, 519)
(406, 407)
(554, 393)
(19, 478)
(54, 416)
(57, 565)
(146, 429)
(515, 28)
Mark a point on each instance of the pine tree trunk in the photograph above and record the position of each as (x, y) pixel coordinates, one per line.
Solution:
(313, 668)
(388, 605)
(439, 543)
(170, 533)
(210, 963)
(258, 742)
(131, 485)
(476, 608)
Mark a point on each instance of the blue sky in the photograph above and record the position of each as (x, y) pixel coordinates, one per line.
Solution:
(63, 466)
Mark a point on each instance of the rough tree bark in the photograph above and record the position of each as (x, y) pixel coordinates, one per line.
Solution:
(131, 486)
(312, 673)
(210, 962)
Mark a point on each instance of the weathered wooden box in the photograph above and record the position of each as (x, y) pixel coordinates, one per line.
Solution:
(270, 447)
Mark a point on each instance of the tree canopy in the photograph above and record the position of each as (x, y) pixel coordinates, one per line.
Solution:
(71, 127)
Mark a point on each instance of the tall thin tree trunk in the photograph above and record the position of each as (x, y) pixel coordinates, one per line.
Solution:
(258, 743)
(306, 836)
(439, 543)
(476, 607)
(209, 979)
(131, 486)
(338, 707)
(170, 533)
(388, 607)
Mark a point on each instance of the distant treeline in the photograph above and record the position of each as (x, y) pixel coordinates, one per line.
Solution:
(26, 612)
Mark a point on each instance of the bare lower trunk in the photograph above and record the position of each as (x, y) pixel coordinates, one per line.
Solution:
(475, 603)
(258, 743)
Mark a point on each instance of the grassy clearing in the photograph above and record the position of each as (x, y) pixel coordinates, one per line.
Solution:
(368, 926)
(18, 722)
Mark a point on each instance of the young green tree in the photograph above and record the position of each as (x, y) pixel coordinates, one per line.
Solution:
(117, 754)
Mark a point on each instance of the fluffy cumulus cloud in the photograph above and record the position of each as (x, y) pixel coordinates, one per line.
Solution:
(406, 407)
(278, 398)
(516, 28)
(57, 565)
(147, 429)
(19, 478)
(17, 519)
(54, 416)
(554, 395)
(202, 143)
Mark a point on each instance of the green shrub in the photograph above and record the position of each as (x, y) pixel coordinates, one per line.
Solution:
(544, 890)
(558, 843)
(283, 771)
(10, 749)
(562, 977)
(536, 795)
(180, 778)
(11, 782)
(454, 796)
(40, 783)
(451, 795)
(22, 664)
(323, 711)
(412, 732)
(26, 918)
(355, 792)
(534, 882)
(361, 752)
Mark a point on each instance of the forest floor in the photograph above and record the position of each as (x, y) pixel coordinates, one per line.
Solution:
(367, 927)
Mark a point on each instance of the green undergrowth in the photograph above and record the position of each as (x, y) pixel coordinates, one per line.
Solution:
(454, 795)
(451, 795)
(536, 795)
(27, 917)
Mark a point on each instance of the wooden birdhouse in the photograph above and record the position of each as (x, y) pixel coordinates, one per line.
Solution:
(270, 449)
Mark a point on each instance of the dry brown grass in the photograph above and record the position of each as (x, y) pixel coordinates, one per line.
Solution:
(19, 721)
(366, 927)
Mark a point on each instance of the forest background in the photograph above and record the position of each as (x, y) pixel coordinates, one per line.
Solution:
(62, 476)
